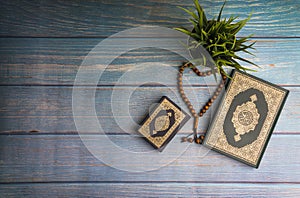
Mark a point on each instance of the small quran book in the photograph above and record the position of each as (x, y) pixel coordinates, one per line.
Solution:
(162, 124)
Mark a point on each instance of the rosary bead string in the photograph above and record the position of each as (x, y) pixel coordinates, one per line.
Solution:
(206, 107)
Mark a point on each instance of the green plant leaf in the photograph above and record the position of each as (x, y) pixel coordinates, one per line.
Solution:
(220, 13)
(247, 61)
(200, 12)
(218, 37)
(189, 12)
(183, 30)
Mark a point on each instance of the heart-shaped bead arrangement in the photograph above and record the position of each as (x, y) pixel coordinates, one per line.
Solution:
(196, 116)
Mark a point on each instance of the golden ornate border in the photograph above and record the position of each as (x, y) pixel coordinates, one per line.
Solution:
(145, 130)
(216, 138)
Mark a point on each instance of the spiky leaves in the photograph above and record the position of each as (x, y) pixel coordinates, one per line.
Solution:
(218, 37)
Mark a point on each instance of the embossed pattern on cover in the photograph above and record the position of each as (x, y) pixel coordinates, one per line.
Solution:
(161, 125)
(246, 118)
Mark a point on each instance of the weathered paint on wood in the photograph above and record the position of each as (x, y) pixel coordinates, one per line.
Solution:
(52, 158)
(150, 190)
(56, 61)
(103, 18)
(52, 161)
(49, 109)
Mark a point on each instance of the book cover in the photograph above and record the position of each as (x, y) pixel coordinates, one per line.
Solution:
(162, 124)
(246, 117)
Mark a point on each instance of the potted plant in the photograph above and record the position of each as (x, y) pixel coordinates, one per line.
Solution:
(218, 37)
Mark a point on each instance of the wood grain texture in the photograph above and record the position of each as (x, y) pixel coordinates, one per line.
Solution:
(103, 18)
(56, 61)
(42, 45)
(51, 158)
(150, 190)
(49, 109)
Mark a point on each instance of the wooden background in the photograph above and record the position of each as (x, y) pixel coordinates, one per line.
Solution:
(42, 44)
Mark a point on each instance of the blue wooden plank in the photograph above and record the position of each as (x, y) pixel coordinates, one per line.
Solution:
(58, 164)
(45, 158)
(103, 18)
(56, 61)
(49, 109)
(150, 190)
